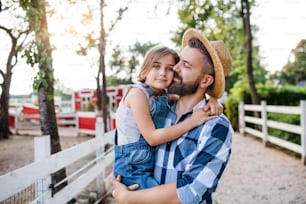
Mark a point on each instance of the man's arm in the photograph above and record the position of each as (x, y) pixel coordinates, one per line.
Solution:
(163, 194)
(199, 180)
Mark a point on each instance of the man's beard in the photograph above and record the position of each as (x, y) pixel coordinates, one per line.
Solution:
(182, 89)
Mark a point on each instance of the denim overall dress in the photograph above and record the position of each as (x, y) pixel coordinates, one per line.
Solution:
(135, 161)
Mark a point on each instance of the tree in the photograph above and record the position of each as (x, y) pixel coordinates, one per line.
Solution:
(125, 65)
(245, 15)
(295, 69)
(40, 53)
(17, 37)
(118, 63)
(90, 40)
(101, 94)
(221, 20)
(217, 20)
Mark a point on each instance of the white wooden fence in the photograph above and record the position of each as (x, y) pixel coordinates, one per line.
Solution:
(83, 121)
(45, 164)
(265, 123)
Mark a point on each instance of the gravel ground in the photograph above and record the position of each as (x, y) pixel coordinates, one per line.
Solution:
(255, 173)
(258, 174)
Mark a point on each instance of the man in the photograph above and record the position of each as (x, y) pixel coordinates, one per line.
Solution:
(189, 168)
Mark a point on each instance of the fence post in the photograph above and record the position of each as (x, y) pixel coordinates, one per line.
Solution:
(241, 117)
(264, 122)
(99, 152)
(42, 151)
(303, 135)
(77, 124)
(16, 118)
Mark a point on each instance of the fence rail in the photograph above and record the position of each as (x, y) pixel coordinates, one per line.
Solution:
(45, 165)
(83, 121)
(264, 109)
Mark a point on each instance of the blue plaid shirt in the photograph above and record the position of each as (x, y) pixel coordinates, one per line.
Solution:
(197, 159)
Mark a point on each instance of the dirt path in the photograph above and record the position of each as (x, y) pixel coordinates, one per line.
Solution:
(255, 174)
(258, 174)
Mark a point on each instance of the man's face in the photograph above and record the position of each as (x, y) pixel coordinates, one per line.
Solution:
(188, 72)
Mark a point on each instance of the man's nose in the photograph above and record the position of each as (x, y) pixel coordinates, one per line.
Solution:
(176, 67)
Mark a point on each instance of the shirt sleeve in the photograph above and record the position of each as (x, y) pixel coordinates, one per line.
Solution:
(207, 162)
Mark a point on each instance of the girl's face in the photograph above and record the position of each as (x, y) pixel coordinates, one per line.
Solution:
(161, 73)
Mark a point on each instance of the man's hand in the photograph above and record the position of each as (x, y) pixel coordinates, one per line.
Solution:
(214, 106)
(163, 194)
(120, 190)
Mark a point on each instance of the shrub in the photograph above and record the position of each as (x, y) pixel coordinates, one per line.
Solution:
(287, 95)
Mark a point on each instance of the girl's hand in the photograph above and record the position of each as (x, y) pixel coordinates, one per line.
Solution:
(200, 116)
(173, 98)
(214, 106)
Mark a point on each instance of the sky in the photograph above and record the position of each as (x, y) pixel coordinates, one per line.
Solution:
(281, 26)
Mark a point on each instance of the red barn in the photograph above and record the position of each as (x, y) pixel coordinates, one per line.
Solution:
(87, 97)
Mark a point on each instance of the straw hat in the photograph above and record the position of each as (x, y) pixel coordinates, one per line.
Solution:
(220, 56)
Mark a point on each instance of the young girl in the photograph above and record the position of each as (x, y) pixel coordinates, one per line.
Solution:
(141, 116)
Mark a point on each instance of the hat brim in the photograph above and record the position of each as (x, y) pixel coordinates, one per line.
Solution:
(217, 88)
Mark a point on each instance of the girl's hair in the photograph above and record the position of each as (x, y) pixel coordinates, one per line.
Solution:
(152, 55)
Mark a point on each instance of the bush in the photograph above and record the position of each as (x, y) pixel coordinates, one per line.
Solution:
(285, 118)
(287, 95)
(238, 93)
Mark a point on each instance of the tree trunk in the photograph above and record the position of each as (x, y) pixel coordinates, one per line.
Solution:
(45, 88)
(103, 96)
(245, 14)
(5, 86)
(4, 107)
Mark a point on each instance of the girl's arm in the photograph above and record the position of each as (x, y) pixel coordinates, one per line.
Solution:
(213, 106)
(139, 105)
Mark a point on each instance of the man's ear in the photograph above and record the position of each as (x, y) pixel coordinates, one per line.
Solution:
(207, 81)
